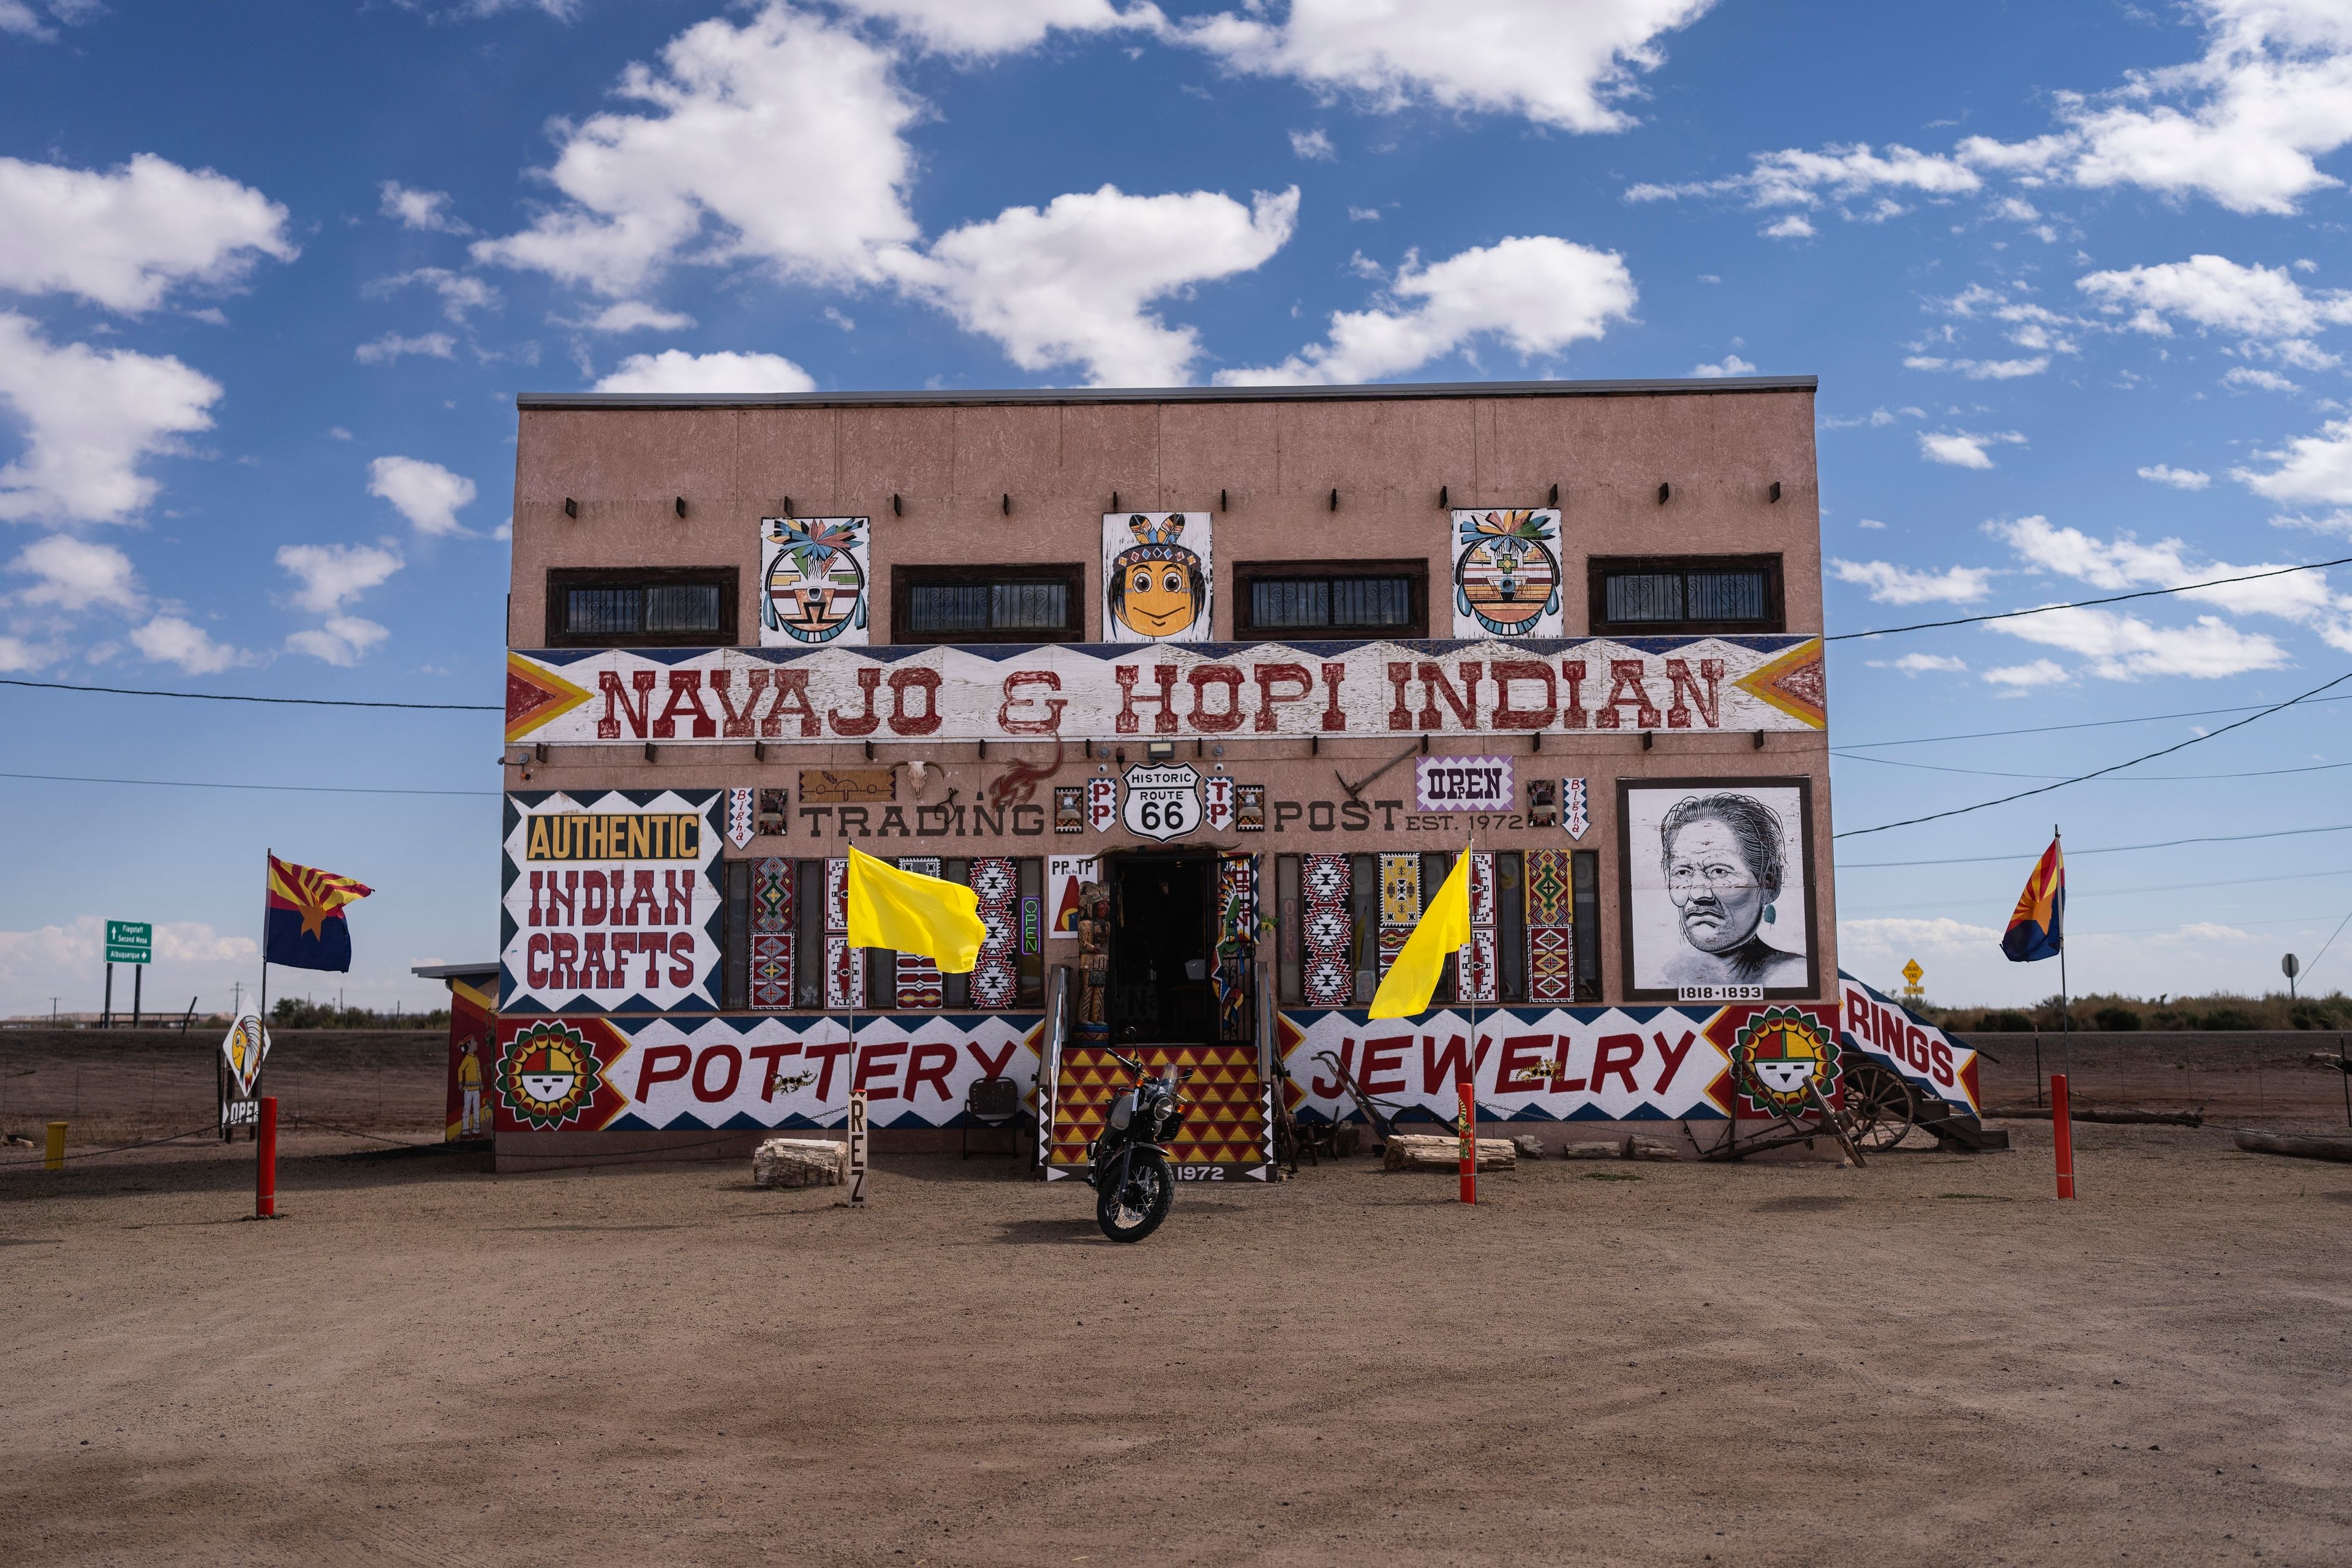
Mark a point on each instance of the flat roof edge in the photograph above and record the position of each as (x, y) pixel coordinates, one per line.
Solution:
(1386, 392)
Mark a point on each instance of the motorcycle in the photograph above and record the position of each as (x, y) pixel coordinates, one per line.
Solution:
(1128, 1167)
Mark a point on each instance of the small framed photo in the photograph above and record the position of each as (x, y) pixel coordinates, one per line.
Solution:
(1249, 808)
(1543, 803)
(1069, 808)
(1714, 890)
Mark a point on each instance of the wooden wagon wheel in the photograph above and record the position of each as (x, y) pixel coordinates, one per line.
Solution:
(1880, 1107)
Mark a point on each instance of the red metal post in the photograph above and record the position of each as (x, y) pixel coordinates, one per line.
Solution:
(2062, 1131)
(265, 1178)
(1469, 1142)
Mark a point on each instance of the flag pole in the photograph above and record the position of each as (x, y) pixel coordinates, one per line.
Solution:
(268, 855)
(2066, 1011)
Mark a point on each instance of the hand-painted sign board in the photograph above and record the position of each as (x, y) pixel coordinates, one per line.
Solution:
(1109, 691)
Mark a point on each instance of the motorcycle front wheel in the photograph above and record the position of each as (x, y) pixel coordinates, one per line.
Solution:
(1133, 1210)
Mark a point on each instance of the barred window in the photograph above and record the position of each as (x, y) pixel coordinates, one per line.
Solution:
(986, 604)
(1372, 599)
(654, 607)
(1686, 593)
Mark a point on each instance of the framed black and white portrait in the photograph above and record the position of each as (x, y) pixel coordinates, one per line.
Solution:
(1715, 890)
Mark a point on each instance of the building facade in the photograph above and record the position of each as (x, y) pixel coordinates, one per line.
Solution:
(1202, 691)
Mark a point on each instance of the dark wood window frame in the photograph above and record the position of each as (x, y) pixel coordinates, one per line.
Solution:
(1414, 570)
(904, 580)
(1598, 569)
(561, 580)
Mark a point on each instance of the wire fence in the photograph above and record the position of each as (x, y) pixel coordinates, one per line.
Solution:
(2275, 1079)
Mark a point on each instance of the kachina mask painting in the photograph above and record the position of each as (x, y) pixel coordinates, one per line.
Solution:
(1506, 573)
(813, 581)
(1156, 572)
(1717, 886)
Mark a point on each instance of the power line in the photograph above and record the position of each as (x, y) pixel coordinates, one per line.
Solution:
(2109, 849)
(2096, 773)
(2048, 728)
(231, 697)
(2328, 944)
(2086, 604)
(2137, 778)
(2074, 897)
(286, 789)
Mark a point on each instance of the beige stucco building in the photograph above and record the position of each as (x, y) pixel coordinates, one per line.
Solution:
(1253, 665)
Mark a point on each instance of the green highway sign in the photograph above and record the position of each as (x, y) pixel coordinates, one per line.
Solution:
(130, 942)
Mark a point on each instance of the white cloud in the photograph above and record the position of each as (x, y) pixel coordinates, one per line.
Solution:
(1363, 215)
(2260, 380)
(973, 28)
(2179, 478)
(1893, 585)
(2263, 304)
(76, 574)
(1732, 364)
(2125, 648)
(391, 346)
(1963, 448)
(1793, 177)
(1568, 65)
(1314, 144)
(17, 655)
(427, 494)
(190, 956)
(1073, 283)
(2241, 126)
(1795, 226)
(123, 239)
(427, 210)
(675, 370)
(778, 142)
(343, 640)
(2305, 598)
(633, 315)
(460, 293)
(330, 575)
(1869, 522)
(1982, 369)
(1905, 935)
(92, 416)
(23, 18)
(2041, 672)
(2310, 468)
(1920, 664)
(174, 639)
(1538, 294)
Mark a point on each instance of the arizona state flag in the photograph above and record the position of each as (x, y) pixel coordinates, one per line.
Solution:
(306, 929)
(2038, 927)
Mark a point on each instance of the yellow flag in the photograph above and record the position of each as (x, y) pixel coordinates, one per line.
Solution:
(1443, 927)
(895, 909)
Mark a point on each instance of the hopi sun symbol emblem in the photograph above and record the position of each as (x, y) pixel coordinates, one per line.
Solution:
(549, 1073)
(1784, 1053)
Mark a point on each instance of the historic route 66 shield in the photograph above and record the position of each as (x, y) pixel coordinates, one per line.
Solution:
(1163, 802)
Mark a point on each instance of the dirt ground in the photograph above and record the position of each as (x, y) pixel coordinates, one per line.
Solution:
(1927, 1360)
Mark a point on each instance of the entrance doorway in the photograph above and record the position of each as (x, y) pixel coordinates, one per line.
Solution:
(1163, 949)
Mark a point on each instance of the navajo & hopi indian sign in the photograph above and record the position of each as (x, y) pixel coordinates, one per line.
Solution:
(1100, 691)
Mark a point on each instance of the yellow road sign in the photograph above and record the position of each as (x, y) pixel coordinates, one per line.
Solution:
(1911, 973)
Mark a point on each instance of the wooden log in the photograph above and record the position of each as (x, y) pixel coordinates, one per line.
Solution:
(2114, 1116)
(2326, 1060)
(1639, 1148)
(2299, 1148)
(1590, 1149)
(1424, 1151)
(1529, 1145)
(799, 1163)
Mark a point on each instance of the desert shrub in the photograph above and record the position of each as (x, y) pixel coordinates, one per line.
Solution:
(2006, 1021)
(2228, 1018)
(2116, 1019)
(2314, 1015)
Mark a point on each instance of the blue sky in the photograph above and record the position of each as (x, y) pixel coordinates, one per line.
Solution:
(2074, 278)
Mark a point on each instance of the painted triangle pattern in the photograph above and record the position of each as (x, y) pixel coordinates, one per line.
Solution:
(536, 696)
(995, 976)
(1327, 884)
(919, 983)
(1224, 1102)
(1796, 683)
(1474, 976)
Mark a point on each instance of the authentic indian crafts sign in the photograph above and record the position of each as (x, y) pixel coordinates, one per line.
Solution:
(1100, 691)
(611, 901)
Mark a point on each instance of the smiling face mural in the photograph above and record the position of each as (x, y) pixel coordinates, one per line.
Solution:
(1156, 576)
